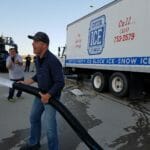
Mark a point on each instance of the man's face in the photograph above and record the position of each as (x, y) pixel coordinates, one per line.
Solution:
(12, 52)
(38, 47)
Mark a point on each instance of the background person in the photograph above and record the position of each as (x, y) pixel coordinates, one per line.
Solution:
(14, 64)
(50, 80)
(34, 61)
(28, 62)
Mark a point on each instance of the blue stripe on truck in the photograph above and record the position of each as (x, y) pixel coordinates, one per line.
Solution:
(112, 61)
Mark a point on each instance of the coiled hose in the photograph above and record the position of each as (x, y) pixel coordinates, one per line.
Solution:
(72, 121)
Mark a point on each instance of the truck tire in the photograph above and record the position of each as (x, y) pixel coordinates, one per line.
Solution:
(99, 82)
(118, 84)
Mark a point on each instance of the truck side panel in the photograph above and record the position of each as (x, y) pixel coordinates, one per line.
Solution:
(115, 38)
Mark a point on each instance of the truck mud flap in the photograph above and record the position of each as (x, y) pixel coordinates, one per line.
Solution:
(136, 87)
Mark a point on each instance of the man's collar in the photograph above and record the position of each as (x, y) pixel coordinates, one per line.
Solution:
(44, 55)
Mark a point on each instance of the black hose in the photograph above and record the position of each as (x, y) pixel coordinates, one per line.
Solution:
(72, 121)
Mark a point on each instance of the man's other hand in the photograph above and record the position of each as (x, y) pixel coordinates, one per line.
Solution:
(45, 97)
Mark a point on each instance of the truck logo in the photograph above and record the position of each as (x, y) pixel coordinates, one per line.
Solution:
(96, 37)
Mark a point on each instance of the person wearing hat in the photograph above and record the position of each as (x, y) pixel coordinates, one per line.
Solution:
(50, 80)
(14, 65)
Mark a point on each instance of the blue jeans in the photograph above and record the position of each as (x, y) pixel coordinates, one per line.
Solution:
(50, 120)
(12, 90)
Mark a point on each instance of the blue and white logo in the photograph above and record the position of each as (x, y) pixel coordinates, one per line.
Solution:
(96, 38)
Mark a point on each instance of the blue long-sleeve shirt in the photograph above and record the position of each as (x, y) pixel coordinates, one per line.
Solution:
(49, 75)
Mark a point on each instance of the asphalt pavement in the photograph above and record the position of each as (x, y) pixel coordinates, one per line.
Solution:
(116, 124)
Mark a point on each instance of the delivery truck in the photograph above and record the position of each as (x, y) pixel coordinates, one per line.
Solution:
(112, 45)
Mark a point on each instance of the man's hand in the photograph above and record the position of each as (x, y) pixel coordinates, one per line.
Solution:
(45, 97)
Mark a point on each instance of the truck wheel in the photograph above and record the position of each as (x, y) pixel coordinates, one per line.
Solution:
(99, 82)
(118, 84)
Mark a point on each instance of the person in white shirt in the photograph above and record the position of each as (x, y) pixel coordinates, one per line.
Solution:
(14, 65)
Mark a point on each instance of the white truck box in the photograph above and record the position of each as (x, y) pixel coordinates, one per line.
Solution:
(114, 38)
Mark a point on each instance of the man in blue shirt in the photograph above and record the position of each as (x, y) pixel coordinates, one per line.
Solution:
(50, 80)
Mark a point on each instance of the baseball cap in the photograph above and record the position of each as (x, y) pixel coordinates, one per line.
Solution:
(40, 36)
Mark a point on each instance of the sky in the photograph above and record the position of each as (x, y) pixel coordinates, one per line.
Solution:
(20, 18)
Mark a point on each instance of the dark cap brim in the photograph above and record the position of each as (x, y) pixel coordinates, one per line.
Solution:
(30, 37)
